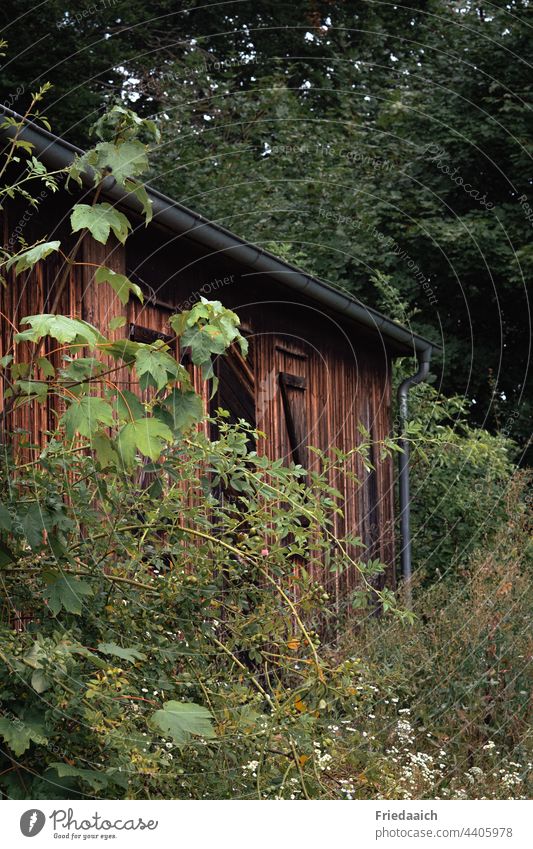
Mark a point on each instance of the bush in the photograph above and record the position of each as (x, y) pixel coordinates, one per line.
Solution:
(459, 473)
(459, 478)
(170, 647)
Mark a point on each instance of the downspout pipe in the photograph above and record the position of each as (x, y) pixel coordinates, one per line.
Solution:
(424, 359)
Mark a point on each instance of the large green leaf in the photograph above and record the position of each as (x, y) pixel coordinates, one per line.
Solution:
(204, 342)
(121, 349)
(82, 368)
(131, 654)
(156, 367)
(60, 327)
(66, 593)
(119, 283)
(6, 555)
(129, 407)
(5, 519)
(39, 681)
(19, 733)
(147, 435)
(181, 720)
(105, 450)
(31, 390)
(208, 329)
(84, 415)
(121, 160)
(27, 259)
(96, 780)
(99, 220)
(35, 518)
(186, 408)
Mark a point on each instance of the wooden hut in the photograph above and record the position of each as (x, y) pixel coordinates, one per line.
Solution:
(319, 363)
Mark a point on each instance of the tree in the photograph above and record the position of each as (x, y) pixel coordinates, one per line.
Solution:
(402, 152)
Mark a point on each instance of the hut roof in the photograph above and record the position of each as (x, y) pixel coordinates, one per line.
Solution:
(57, 153)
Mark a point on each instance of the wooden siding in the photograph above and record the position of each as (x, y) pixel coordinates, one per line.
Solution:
(342, 389)
(313, 380)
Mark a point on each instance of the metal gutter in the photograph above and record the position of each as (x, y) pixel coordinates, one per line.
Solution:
(58, 154)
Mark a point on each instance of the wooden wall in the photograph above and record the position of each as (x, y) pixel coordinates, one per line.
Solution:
(315, 385)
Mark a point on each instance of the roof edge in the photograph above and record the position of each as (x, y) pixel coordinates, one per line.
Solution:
(58, 154)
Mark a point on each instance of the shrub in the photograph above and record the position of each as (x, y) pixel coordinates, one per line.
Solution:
(171, 643)
(459, 479)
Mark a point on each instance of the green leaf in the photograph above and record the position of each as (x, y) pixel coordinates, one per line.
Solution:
(129, 408)
(23, 145)
(186, 408)
(360, 600)
(60, 327)
(19, 733)
(181, 720)
(121, 349)
(119, 283)
(96, 780)
(20, 370)
(118, 321)
(204, 342)
(6, 555)
(82, 368)
(84, 416)
(115, 650)
(146, 435)
(209, 329)
(32, 389)
(66, 593)
(39, 681)
(155, 367)
(5, 518)
(46, 367)
(35, 655)
(122, 160)
(27, 259)
(35, 519)
(99, 220)
(141, 194)
(105, 451)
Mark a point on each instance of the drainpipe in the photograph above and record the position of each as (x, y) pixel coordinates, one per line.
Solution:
(424, 358)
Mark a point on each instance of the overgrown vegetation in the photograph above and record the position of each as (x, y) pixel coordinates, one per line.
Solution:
(452, 700)
(170, 647)
(461, 476)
